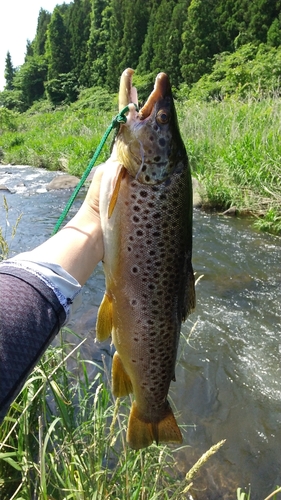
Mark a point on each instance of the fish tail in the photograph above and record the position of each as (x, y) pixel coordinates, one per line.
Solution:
(142, 433)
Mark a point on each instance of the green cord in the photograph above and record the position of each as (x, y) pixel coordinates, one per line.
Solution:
(120, 118)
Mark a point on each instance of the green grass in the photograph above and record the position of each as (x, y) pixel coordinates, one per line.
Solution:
(234, 148)
(64, 438)
(235, 152)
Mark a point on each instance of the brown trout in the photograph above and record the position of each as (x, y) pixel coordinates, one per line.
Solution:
(146, 214)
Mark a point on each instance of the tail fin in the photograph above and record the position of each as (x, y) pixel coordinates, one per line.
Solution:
(141, 433)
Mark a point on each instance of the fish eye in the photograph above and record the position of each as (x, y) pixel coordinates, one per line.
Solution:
(162, 117)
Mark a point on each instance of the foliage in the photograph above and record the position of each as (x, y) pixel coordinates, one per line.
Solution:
(95, 40)
(29, 81)
(97, 98)
(62, 89)
(7, 120)
(250, 72)
(12, 99)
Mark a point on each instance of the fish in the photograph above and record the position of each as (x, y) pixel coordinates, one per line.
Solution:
(146, 218)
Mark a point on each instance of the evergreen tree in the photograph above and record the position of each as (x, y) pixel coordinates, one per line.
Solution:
(136, 16)
(58, 46)
(274, 33)
(99, 42)
(174, 43)
(29, 52)
(144, 65)
(163, 17)
(39, 43)
(200, 39)
(114, 47)
(9, 72)
(79, 22)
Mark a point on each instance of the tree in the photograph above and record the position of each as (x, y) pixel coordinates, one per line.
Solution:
(79, 22)
(160, 34)
(40, 39)
(136, 16)
(114, 47)
(174, 43)
(200, 39)
(58, 46)
(274, 33)
(9, 72)
(144, 65)
(29, 80)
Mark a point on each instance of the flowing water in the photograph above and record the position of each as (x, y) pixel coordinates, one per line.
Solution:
(229, 369)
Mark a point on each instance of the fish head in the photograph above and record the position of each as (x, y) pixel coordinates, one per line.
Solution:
(149, 144)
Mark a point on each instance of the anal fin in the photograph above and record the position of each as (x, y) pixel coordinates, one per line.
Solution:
(104, 319)
(142, 433)
(121, 382)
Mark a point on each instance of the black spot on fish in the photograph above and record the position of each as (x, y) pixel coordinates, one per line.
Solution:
(162, 142)
(136, 219)
(157, 158)
(147, 178)
(139, 232)
(144, 168)
(136, 208)
(143, 194)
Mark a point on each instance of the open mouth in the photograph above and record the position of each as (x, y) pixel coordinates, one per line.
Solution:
(128, 94)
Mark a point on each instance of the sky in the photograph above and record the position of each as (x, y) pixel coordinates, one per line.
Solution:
(18, 23)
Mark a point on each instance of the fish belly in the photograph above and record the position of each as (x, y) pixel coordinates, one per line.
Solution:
(149, 291)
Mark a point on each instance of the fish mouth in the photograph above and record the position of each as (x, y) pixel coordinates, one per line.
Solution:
(128, 94)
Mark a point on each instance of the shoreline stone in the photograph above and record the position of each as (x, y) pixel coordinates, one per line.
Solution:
(64, 181)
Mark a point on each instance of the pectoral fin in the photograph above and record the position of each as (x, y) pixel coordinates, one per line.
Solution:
(115, 191)
(104, 319)
(121, 383)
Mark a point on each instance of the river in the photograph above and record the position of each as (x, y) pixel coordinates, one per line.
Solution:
(229, 369)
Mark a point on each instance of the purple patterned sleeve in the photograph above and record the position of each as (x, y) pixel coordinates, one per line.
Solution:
(30, 317)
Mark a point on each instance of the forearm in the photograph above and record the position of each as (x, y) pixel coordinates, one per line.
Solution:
(78, 247)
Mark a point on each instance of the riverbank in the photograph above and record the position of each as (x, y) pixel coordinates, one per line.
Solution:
(234, 149)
